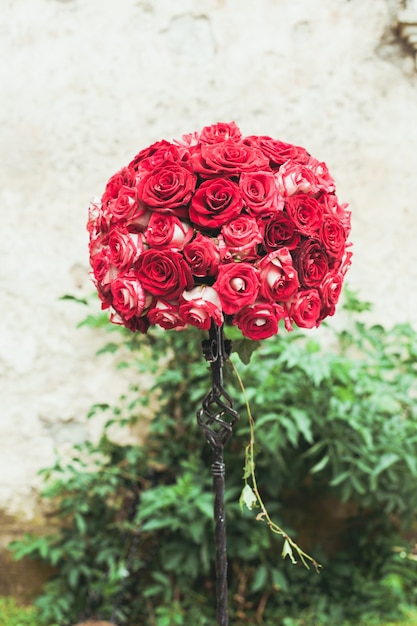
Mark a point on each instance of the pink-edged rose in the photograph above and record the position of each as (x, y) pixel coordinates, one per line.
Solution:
(124, 247)
(167, 188)
(259, 320)
(332, 207)
(237, 285)
(128, 296)
(126, 206)
(306, 213)
(165, 314)
(239, 238)
(278, 152)
(330, 290)
(163, 273)
(333, 235)
(215, 202)
(279, 232)
(219, 132)
(201, 305)
(227, 158)
(103, 271)
(135, 324)
(312, 263)
(305, 308)
(310, 177)
(202, 255)
(322, 173)
(167, 231)
(94, 224)
(278, 276)
(260, 192)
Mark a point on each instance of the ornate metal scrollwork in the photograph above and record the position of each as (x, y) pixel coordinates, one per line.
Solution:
(216, 418)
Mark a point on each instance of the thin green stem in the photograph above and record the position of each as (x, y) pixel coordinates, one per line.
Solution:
(249, 475)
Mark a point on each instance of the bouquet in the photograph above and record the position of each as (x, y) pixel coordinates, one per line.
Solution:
(220, 227)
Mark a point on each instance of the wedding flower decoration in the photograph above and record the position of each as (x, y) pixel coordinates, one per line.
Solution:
(218, 226)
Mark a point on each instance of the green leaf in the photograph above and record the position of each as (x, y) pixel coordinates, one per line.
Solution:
(155, 524)
(244, 348)
(385, 462)
(260, 578)
(320, 465)
(247, 498)
(74, 299)
(109, 347)
(279, 580)
(287, 551)
(340, 478)
(303, 421)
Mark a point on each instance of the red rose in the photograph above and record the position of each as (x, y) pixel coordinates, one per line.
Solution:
(167, 231)
(259, 320)
(128, 296)
(305, 308)
(278, 152)
(167, 189)
(228, 158)
(239, 238)
(312, 263)
(237, 285)
(279, 232)
(200, 306)
(202, 255)
(260, 192)
(165, 314)
(220, 132)
(124, 247)
(126, 177)
(279, 280)
(333, 235)
(306, 213)
(215, 202)
(163, 273)
(155, 155)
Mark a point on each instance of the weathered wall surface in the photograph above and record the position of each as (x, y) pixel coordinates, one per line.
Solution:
(86, 83)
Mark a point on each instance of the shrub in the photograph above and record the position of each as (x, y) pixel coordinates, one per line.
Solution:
(335, 422)
(11, 614)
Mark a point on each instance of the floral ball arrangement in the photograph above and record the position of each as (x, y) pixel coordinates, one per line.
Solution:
(218, 226)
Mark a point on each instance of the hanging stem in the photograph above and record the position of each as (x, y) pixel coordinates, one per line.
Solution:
(252, 497)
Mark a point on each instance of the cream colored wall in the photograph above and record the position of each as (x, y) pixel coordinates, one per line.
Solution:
(86, 83)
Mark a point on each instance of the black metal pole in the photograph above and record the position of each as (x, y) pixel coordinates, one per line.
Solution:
(218, 473)
(216, 418)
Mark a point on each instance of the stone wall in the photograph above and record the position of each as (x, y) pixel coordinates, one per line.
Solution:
(87, 83)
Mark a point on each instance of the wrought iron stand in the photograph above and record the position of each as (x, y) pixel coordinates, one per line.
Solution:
(216, 418)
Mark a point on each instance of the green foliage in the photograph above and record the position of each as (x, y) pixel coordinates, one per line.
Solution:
(335, 417)
(13, 615)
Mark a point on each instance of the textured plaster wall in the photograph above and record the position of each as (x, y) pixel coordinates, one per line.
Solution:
(86, 83)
